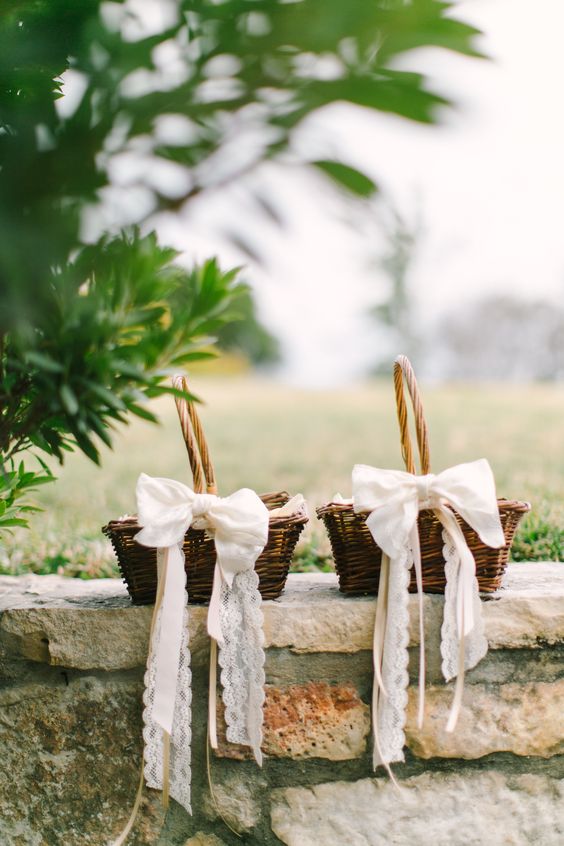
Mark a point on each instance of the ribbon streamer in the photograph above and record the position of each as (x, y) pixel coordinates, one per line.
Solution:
(393, 499)
(239, 525)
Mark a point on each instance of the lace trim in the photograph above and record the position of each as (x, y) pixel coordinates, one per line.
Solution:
(475, 643)
(242, 660)
(181, 737)
(392, 708)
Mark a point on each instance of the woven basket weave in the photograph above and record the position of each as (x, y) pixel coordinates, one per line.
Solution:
(138, 564)
(357, 556)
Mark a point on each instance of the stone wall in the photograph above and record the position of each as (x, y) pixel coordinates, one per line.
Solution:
(72, 656)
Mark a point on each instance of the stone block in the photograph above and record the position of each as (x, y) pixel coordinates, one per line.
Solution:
(526, 719)
(201, 839)
(93, 626)
(237, 801)
(315, 720)
(71, 757)
(99, 638)
(470, 809)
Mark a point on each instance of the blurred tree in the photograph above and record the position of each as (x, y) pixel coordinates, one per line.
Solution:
(502, 338)
(165, 99)
(402, 237)
(246, 334)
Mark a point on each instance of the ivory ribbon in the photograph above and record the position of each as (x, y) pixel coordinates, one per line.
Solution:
(394, 499)
(239, 525)
(290, 508)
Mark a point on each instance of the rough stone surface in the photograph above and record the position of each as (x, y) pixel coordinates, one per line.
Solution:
(315, 720)
(526, 719)
(527, 611)
(70, 763)
(71, 661)
(237, 801)
(50, 619)
(201, 839)
(476, 809)
(84, 625)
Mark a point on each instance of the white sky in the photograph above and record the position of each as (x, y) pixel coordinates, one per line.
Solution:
(489, 183)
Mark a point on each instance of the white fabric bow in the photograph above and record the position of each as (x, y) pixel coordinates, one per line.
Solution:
(239, 525)
(394, 499)
(166, 510)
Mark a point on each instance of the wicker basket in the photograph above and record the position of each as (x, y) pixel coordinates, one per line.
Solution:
(357, 556)
(138, 564)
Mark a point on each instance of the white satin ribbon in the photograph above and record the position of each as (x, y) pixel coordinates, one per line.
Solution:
(239, 525)
(394, 499)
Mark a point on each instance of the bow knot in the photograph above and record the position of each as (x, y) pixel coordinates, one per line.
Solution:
(423, 488)
(201, 504)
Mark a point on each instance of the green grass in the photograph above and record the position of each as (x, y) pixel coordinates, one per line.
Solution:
(271, 437)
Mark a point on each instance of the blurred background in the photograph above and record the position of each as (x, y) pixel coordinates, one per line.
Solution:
(450, 251)
(459, 259)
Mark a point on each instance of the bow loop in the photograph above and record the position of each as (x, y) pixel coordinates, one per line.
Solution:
(164, 509)
(390, 497)
(470, 489)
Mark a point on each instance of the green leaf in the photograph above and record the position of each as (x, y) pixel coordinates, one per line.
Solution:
(200, 355)
(347, 177)
(43, 361)
(144, 413)
(109, 397)
(69, 400)
(87, 446)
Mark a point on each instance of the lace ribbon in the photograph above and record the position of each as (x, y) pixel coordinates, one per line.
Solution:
(168, 761)
(239, 526)
(241, 658)
(235, 624)
(394, 499)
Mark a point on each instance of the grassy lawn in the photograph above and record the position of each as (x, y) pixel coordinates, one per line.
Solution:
(271, 437)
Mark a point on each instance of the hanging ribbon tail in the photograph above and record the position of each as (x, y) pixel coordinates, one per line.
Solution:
(170, 639)
(390, 634)
(416, 551)
(458, 688)
(120, 840)
(216, 637)
(254, 727)
(241, 658)
(212, 695)
(162, 564)
(380, 623)
(378, 689)
(167, 753)
(214, 615)
(461, 607)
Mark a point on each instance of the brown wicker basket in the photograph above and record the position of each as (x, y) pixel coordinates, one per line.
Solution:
(357, 556)
(138, 564)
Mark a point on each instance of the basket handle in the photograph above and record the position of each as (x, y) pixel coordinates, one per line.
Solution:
(404, 370)
(195, 440)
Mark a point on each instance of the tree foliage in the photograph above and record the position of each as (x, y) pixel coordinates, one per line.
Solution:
(502, 338)
(172, 99)
(246, 334)
(396, 313)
